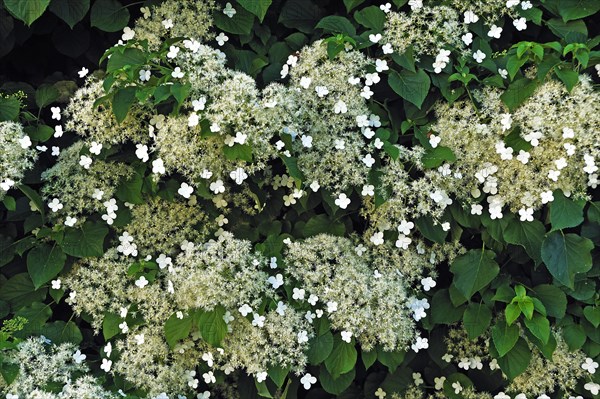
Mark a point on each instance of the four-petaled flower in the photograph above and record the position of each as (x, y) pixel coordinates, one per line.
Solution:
(590, 365)
(185, 190)
(342, 201)
(346, 336)
(307, 380)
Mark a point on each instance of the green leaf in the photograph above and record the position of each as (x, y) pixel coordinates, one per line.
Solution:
(212, 326)
(529, 235)
(442, 310)
(9, 202)
(411, 86)
(512, 313)
(300, 15)
(539, 326)
(33, 197)
(593, 212)
(110, 325)
(238, 151)
(504, 337)
(85, 241)
(518, 91)
(19, 291)
(341, 359)
(319, 348)
(576, 9)
(350, 4)
(565, 212)
(592, 314)
(565, 255)
(431, 231)
(572, 31)
(278, 375)
(335, 386)
(9, 108)
(59, 332)
(391, 360)
(369, 358)
(240, 24)
(476, 319)
(516, 361)
(371, 17)
(262, 389)
(70, 11)
(129, 57)
(122, 102)
(336, 24)
(256, 7)
(553, 298)
(109, 16)
(568, 76)
(46, 95)
(40, 133)
(9, 372)
(473, 271)
(435, 157)
(292, 167)
(574, 336)
(44, 262)
(26, 10)
(177, 329)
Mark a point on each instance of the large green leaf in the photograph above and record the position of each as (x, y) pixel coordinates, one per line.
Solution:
(336, 24)
(70, 11)
(60, 331)
(341, 359)
(44, 262)
(553, 298)
(85, 241)
(473, 271)
(529, 235)
(565, 255)
(516, 361)
(564, 212)
(435, 157)
(19, 291)
(504, 337)
(442, 310)
(350, 4)
(319, 348)
(476, 319)
(411, 86)
(46, 95)
(518, 91)
(109, 15)
(26, 10)
(212, 326)
(371, 17)
(240, 24)
(575, 9)
(300, 15)
(177, 329)
(256, 7)
(122, 102)
(9, 108)
(336, 386)
(129, 57)
(539, 326)
(391, 359)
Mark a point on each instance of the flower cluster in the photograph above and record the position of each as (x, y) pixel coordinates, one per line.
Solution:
(546, 144)
(17, 155)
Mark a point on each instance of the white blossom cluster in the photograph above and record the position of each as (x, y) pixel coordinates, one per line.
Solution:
(17, 155)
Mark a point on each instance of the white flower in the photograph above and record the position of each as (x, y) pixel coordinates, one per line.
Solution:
(221, 39)
(503, 73)
(238, 175)
(209, 377)
(306, 141)
(258, 320)
(420, 343)
(417, 379)
(56, 284)
(479, 56)
(261, 376)
(11, 396)
(95, 148)
(322, 91)
(346, 336)
(403, 242)
(128, 34)
(177, 73)
(285, 70)
(342, 201)
(415, 4)
(593, 387)
(281, 307)
(387, 48)
(185, 190)
(292, 60)
(312, 299)
(523, 157)
(302, 337)
(377, 238)
(315, 186)
(167, 23)
(368, 160)
(512, 3)
(305, 82)
(199, 104)
(375, 38)
(70, 221)
(353, 80)
(25, 142)
(276, 281)
(55, 151)
(381, 65)
(307, 380)
(520, 24)
(405, 227)
(163, 261)
(386, 9)
(533, 138)
(141, 282)
(501, 395)
(309, 316)
(79, 357)
(380, 393)
(495, 31)
(428, 283)
(55, 205)
(173, 51)
(298, 294)
(526, 5)
(590, 365)
(368, 189)
(229, 10)
(560, 163)
(470, 17)
(457, 387)
(467, 38)
(340, 107)
(139, 339)
(142, 152)
(83, 72)
(526, 214)
(439, 382)
(553, 174)
(217, 187)
(366, 92)
(85, 161)
(245, 309)
(434, 140)
(145, 75)
(227, 318)
(106, 365)
(193, 120)
(158, 166)
(547, 197)
(55, 113)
